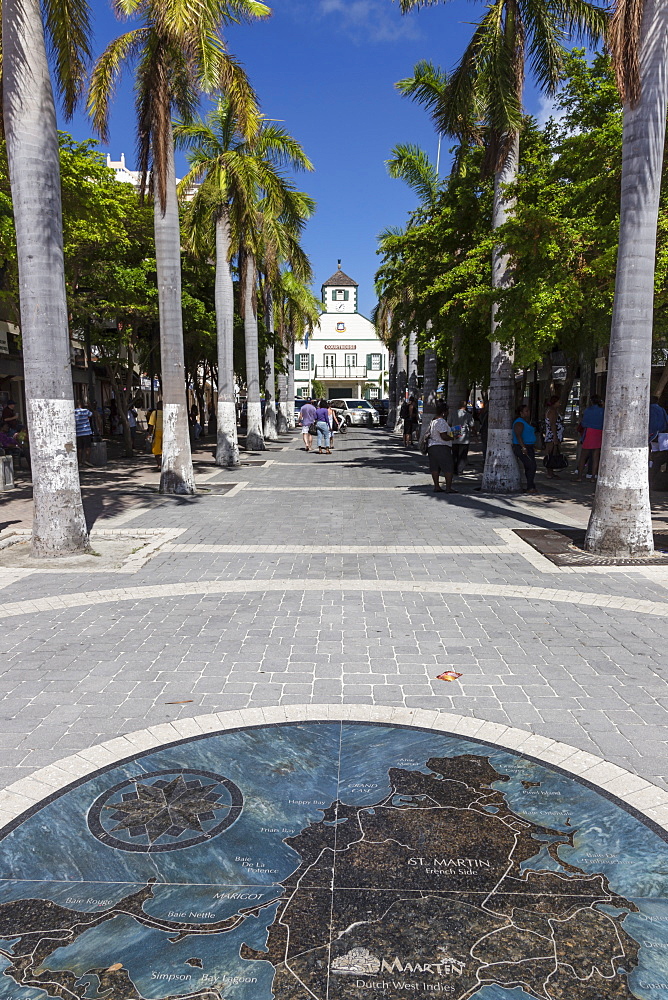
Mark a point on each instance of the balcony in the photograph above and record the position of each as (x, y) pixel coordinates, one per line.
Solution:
(343, 372)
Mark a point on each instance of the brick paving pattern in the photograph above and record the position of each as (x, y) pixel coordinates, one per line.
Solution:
(344, 619)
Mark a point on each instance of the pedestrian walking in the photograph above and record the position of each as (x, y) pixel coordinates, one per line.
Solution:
(409, 414)
(462, 437)
(132, 421)
(658, 439)
(439, 449)
(83, 419)
(524, 445)
(591, 431)
(334, 423)
(554, 434)
(307, 418)
(323, 428)
(155, 421)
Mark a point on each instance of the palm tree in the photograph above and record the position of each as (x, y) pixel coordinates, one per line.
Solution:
(297, 313)
(177, 53)
(269, 229)
(59, 525)
(412, 165)
(257, 214)
(428, 87)
(280, 247)
(484, 97)
(429, 383)
(621, 520)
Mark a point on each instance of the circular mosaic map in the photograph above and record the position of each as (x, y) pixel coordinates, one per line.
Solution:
(323, 861)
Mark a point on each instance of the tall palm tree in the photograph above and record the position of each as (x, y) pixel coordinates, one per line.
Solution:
(269, 229)
(219, 166)
(429, 383)
(280, 247)
(177, 53)
(412, 165)
(297, 313)
(621, 520)
(257, 214)
(59, 525)
(428, 87)
(484, 98)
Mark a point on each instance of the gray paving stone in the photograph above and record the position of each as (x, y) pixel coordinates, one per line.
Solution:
(592, 677)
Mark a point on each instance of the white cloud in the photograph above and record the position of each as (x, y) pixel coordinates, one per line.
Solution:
(375, 20)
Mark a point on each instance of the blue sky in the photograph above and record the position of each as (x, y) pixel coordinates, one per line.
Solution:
(327, 69)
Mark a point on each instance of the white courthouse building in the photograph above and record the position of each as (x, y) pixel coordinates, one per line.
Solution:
(344, 351)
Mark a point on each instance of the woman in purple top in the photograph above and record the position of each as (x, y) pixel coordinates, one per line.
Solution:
(323, 427)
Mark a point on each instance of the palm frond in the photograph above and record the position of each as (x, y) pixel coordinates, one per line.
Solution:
(106, 74)
(411, 164)
(624, 43)
(426, 86)
(68, 30)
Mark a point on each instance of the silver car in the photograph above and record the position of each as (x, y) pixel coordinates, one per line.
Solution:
(356, 412)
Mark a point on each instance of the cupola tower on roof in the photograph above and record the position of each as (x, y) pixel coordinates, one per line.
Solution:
(339, 293)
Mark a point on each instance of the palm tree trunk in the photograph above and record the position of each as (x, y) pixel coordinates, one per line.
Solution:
(59, 525)
(290, 360)
(501, 473)
(282, 391)
(621, 520)
(227, 442)
(458, 387)
(254, 437)
(429, 387)
(177, 466)
(392, 390)
(413, 384)
(402, 381)
(270, 421)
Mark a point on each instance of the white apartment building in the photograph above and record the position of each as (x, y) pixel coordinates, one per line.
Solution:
(343, 352)
(127, 176)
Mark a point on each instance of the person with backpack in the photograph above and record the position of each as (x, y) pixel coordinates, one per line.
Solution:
(438, 445)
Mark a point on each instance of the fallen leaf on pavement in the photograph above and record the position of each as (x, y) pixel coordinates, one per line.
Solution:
(186, 701)
(448, 675)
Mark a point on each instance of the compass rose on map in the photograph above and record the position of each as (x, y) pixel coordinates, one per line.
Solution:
(165, 810)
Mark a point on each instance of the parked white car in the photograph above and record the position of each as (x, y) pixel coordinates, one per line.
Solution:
(356, 412)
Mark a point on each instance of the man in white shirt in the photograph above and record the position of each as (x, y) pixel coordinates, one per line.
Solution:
(439, 449)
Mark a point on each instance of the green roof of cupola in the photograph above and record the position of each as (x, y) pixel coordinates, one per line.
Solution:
(340, 280)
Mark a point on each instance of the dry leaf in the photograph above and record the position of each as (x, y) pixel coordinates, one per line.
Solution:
(186, 701)
(448, 675)
(115, 967)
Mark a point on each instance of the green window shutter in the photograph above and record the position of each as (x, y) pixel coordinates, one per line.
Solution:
(345, 295)
(312, 362)
(368, 362)
(298, 361)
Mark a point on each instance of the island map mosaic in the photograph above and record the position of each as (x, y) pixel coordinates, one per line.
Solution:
(332, 861)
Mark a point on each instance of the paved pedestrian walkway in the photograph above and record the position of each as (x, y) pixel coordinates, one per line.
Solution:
(337, 580)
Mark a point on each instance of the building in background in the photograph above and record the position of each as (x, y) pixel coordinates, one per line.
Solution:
(344, 352)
